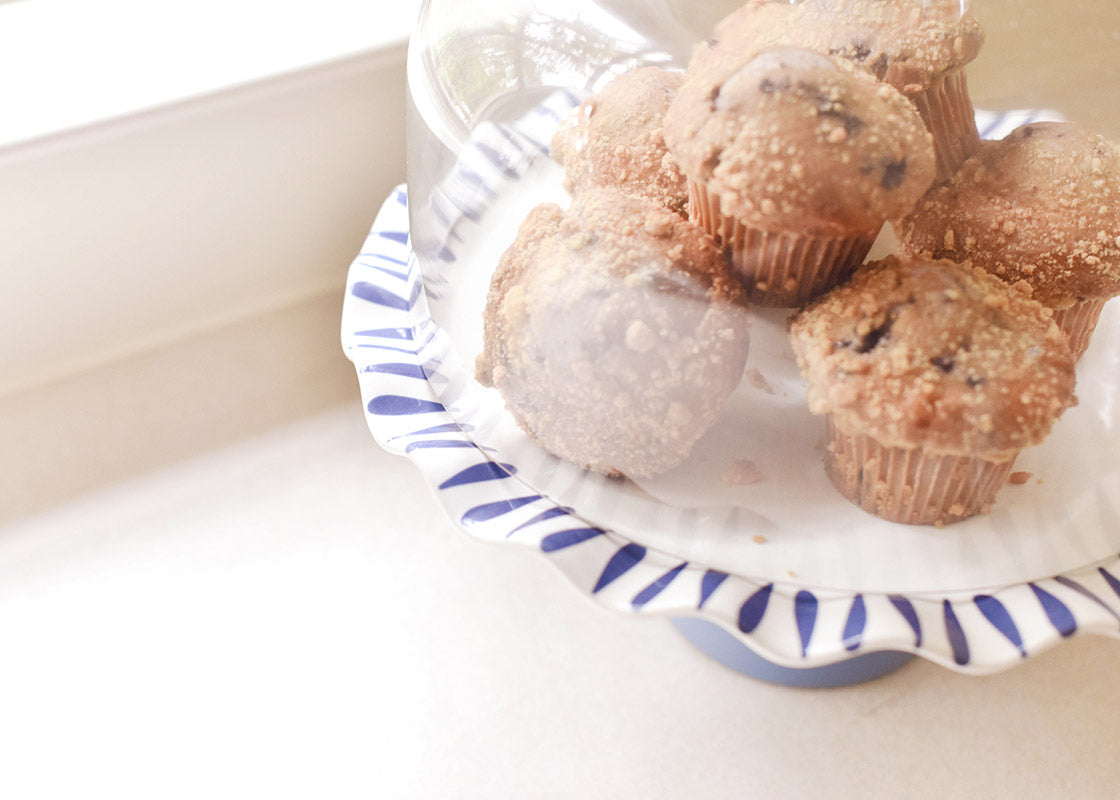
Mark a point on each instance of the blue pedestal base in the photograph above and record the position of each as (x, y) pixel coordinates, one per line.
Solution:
(729, 651)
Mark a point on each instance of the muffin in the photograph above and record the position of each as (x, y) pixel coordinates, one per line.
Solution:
(920, 48)
(614, 332)
(1041, 206)
(614, 139)
(933, 375)
(794, 160)
(749, 29)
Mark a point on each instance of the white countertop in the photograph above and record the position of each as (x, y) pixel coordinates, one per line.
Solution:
(292, 616)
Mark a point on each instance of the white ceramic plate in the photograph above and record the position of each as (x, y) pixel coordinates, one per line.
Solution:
(784, 563)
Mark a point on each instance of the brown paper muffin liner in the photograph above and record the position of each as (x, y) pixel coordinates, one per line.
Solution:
(1078, 323)
(947, 111)
(779, 269)
(911, 485)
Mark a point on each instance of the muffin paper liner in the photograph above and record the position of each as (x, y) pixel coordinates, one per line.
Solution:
(947, 111)
(910, 485)
(1078, 322)
(779, 269)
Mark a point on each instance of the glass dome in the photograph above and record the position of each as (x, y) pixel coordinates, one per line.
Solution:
(472, 61)
(488, 86)
(475, 62)
(491, 83)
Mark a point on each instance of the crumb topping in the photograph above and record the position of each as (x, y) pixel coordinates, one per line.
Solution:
(614, 139)
(615, 332)
(1040, 206)
(754, 135)
(935, 354)
(908, 45)
(748, 30)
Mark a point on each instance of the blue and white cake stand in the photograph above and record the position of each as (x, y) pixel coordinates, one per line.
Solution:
(782, 580)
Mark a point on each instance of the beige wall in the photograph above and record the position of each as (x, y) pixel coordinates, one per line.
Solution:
(1061, 54)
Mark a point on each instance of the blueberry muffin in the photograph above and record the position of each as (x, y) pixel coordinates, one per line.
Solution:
(1041, 207)
(920, 48)
(794, 161)
(933, 375)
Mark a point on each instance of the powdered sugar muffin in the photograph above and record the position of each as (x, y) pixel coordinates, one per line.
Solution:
(614, 139)
(614, 332)
(794, 161)
(1040, 206)
(934, 375)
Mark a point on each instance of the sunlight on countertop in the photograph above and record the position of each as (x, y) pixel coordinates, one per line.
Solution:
(294, 617)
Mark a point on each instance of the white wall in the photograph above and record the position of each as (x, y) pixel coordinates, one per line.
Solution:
(133, 232)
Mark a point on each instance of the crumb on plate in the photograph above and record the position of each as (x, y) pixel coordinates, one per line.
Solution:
(758, 380)
(742, 472)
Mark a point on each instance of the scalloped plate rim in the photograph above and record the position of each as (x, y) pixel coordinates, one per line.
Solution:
(792, 642)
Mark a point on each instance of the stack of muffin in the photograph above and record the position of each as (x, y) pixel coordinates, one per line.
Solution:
(616, 330)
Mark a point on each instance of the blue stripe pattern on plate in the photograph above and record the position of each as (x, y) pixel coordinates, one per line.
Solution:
(628, 557)
(754, 608)
(957, 640)
(856, 622)
(657, 587)
(569, 538)
(996, 613)
(1056, 611)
